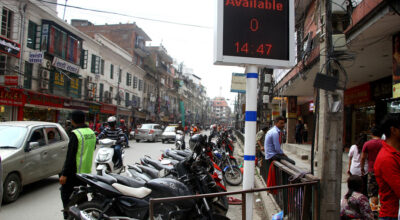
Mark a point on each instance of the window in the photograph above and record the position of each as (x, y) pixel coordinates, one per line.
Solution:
(3, 61)
(84, 59)
(95, 64)
(140, 85)
(135, 82)
(101, 91)
(32, 29)
(127, 101)
(111, 92)
(37, 136)
(102, 67)
(28, 75)
(6, 19)
(119, 75)
(53, 135)
(144, 87)
(111, 71)
(128, 79)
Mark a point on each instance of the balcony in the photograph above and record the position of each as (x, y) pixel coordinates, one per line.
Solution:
(140, 49)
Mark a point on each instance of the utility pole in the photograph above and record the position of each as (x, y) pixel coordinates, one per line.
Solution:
(329, 125)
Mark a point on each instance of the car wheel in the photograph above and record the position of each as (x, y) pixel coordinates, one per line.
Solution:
(12, 188)
(137, 140)
(163, 141)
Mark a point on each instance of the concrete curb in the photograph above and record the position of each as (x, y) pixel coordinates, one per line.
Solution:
(269, 204)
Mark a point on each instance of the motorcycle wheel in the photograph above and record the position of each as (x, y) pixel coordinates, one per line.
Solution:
(94, 208)
(233, 176)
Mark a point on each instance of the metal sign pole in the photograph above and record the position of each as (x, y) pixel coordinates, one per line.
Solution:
(250, 135)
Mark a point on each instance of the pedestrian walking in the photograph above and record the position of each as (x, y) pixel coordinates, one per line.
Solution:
(387, 168)
(369, 153)
(273, 141)
(79, 157)
(355, 161)
(299, 132)
(355, 205)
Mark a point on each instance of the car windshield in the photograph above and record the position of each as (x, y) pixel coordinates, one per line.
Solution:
(146, 126)
(11, 137)
(170, 129)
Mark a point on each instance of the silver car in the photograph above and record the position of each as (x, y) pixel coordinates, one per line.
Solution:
(30, 151)
(148, 132)
(169, 134)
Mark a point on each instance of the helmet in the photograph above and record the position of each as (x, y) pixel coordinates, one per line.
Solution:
(122, 121)
(196, 142)
(112, 120)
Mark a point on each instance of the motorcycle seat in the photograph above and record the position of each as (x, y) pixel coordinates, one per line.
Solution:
(174, 155)
(131, 182)
(139, 193)
(105, 178)
(157, 164)
(151, 171)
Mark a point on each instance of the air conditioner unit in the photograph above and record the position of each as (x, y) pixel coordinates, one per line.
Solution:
(44, 74)
(46, 63)
(44, 85)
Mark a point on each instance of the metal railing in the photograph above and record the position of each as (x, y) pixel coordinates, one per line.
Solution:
(296, 203)
(290, 187)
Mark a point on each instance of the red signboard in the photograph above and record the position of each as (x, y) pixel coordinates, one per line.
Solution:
(108, 109)
(10, 96)
(357, 95)
(11, 80)
(35, 98)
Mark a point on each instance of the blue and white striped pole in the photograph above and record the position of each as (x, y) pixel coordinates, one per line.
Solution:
(250, 135)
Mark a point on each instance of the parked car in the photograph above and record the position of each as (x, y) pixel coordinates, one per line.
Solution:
(30, 151)
(148, 132)
(169, 134)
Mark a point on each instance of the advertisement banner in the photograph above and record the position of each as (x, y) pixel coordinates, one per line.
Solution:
(238, 83)
(59, 80)
(358, 94)
(10, 47)
(74, 87)
(396, 65)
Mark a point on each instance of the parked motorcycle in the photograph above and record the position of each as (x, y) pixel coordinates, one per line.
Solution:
(104, 159)
(231, 171)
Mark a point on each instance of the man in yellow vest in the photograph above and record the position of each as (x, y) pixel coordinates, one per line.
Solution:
(82, 143)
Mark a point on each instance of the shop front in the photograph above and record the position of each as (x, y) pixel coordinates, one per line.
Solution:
(12, 103)
(106, 110)
(42, 107)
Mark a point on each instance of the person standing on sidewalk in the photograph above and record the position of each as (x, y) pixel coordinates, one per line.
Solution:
(387, 168)
(79, 158)
(299, 132)
(369, 153)
(273, 141)
(260, 139)
(355, 159)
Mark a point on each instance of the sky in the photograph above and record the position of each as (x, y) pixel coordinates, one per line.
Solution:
(190, 45)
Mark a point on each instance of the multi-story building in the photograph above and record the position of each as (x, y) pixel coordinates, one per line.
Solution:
(221, 110)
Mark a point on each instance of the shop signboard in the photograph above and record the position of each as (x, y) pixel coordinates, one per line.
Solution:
(11, 80)
(35, 57)
(35, 98)
(59, 80)
(108, 109)
(94, 108)
(357, 95)
(62, 64)
(13, 97)
(74, 87)
(10, 47)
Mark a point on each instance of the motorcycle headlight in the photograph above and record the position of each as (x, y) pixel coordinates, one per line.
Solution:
(103, 157)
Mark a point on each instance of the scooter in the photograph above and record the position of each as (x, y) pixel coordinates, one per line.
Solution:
(179, 140)
(104, 158)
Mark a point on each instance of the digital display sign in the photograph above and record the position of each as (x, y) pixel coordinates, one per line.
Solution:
(259, 32)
